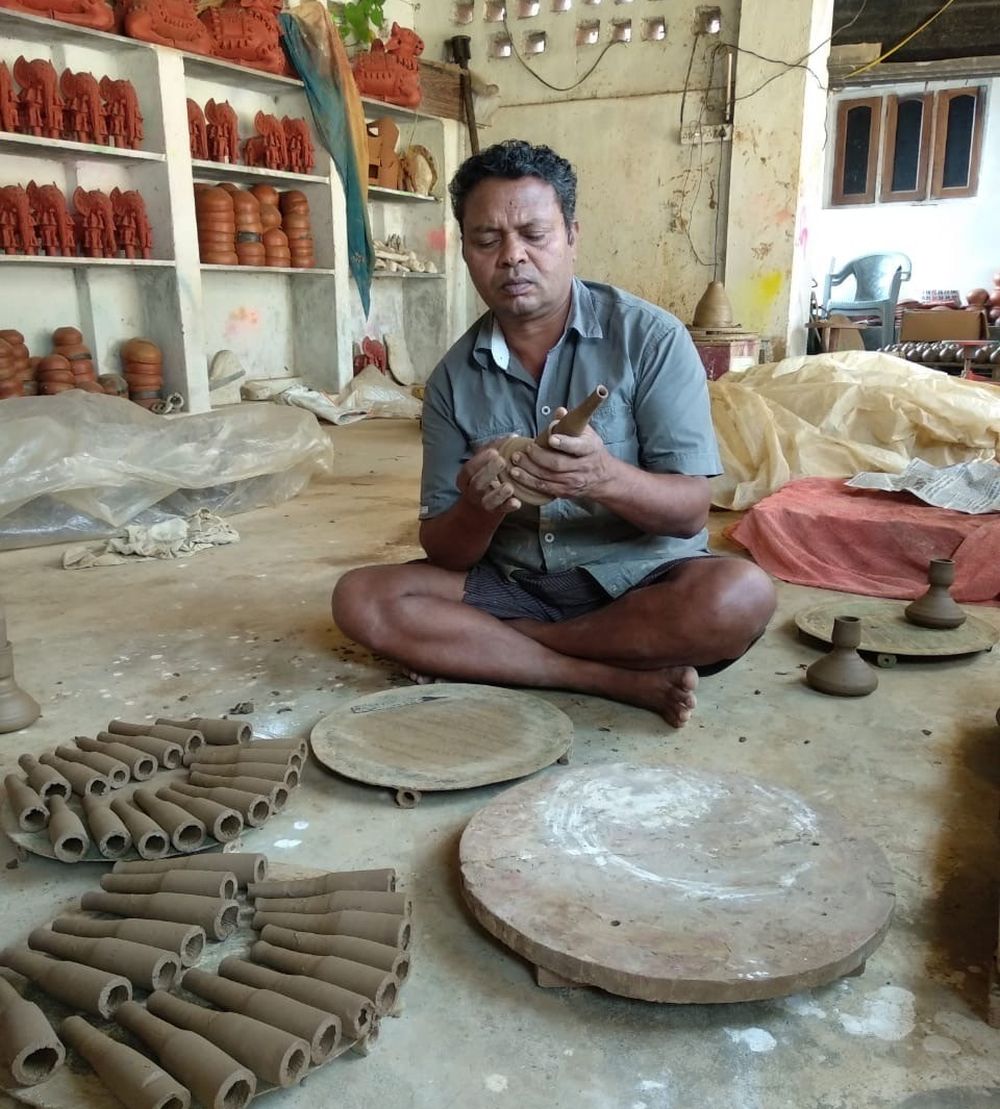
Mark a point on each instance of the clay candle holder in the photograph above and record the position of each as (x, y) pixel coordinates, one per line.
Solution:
(380, 955)
(189, 739)
(246, 866)
(142, 965)
(377, 927)
(187, 941)
(78, 986)
(216, 1079)
(186, 833)
(45, 781)
(204, 883)
(843, 672)
(253, 753)
(216, 916)
(116, 771)
(268, 771)
(362, 901)
(150, 840)
(379, 881)
(255, 808)
(275, 792)
(222, 823)
(215, 730)
(30, 1052)
(107, 830)
(937, 608)
(129, 1075)
(142, 367)
(82, 779)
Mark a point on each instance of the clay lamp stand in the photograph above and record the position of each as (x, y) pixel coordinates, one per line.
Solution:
(271, 1053)
(574, 422)
(202, 883)
(142, 368)
(320, 1030)
(247, 866)
(116, 771)
(936, 608)
(108, 831)
(167, 753)
(268, 772)
(218, 917)
(140, 765)
(222, 822)
(80, 987)
(45, 781)
(380, 955)
(355, 1012)
(379, 881)
(134, 1080)
(148, 838)
(275, 792)
(296, 224)
(30, 1051)
(843, 672)
(216, 219)
(253, 807)
(17, 709)
(215, 730)
(30, 808)
(67, 834)
(254, 752)
(187, 941)
(67, 342)
(394, 931)
(188, 739)
(216, 1079)
(362, 901)
(142, 965)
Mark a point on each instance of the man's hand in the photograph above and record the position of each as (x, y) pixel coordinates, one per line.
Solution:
(571, 466)
(480, 484)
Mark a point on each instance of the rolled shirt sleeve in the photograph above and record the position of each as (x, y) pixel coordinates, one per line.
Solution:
(446, 448)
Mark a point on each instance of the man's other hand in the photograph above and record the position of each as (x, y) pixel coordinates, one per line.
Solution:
(571, 466)
(480, 483)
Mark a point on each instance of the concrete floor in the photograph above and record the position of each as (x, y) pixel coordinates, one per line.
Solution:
(916, 766)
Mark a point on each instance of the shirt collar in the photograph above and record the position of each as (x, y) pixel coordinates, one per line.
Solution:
(582, 319)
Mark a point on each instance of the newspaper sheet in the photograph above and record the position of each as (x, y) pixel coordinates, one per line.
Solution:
(971, 487)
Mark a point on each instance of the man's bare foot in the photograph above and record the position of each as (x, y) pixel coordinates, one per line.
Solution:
(669, 691)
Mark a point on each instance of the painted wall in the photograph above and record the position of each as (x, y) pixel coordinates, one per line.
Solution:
(647, 204)
(953, 244)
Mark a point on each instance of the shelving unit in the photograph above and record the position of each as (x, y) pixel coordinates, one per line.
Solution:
(279, 321)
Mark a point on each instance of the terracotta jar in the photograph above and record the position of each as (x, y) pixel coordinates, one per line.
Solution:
(266, 194)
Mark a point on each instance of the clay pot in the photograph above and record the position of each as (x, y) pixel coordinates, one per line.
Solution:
(936, 608)
(66, 335)
(216, 730)
(44, 780)
(223, 823)
(30, 808)
(78, 986)
(217, 916)
(255, 808)
(248, 866)
(377, 927)
(275, 792)
(108, 832)
(116, 771)
(216, 1079)
(379, 881)
(213, 200)
(81, 778)
(168, 753)
(271, 1053)
(187, 941)
(144, 966)
(54, 362)
(379, 955)
(149, 839)
(130, 1076)
(356, 1012)
(141, 350)
(270, 217)
(204, 883)
(266, 194)
(30, 1051)
(189, 739)
(843, 672)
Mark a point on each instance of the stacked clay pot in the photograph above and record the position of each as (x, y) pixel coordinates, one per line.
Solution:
(276, 252)
(216, 217)
(24, 372)
(249, 229)
(295, 223)
(10, 383)
(54, 374)
(68, 343)
(142, 365)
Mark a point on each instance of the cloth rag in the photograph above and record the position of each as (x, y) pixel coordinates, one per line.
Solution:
(171, 538)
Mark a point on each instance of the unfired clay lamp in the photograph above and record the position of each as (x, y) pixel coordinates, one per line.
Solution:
(31, 810)
(222, 822)
(17, 708)
(187, 940)
(142, 965)
(167, 753)
(378, 927)
(254, 752)
(218, 917)
(150, 840)
(268, 771)
(248, 866)
(843, 672)
(141, 766)
(216, 1079)
(381, 955)
(319, 1029)
(383, 881)
(271, 1053)
(203, 883)
(936, 608)
(186, 833)
(134, 1080)
(67, 834)
(378, 986)
(107, 830)
(254, 808)
(78, 986)
(43, 779)
(116, 771)
(81, 778)
(713, 311)
(29, 1050)
(189, 739)
(275, 792)
(364, 901)
(215, 730)
(356, 1013)
(573, 423)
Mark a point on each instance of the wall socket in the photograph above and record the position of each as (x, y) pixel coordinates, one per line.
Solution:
(694, 133)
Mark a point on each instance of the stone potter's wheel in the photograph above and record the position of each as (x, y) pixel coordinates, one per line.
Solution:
(671, 884)
(886, 632)
(444, 736)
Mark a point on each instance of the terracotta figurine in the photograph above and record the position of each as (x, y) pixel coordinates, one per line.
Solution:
(247, 32)
(83, 13)
(17, 227)
(8, 101)
(132, 224)
(223, 133)
(83, 117)
(167, 23)
(40, 103)
(268, 147)
(390, 71)
(197, 130)
(301, 154)
(52, 218)
(122, 113)
(95, 223)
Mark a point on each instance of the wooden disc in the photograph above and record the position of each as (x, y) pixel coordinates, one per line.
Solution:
(672, 884)
(885, 630)
(442, 736)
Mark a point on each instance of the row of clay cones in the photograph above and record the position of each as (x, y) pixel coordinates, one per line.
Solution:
(270, 1025)
(229, 786)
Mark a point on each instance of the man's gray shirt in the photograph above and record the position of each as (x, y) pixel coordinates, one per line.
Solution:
(657, 418)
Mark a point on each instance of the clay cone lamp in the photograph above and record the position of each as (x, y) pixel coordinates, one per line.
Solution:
(78, 986)
(248, 866)
(218, 917)
(216, 1079)
(843, 672)
(29, 1050)
(377, 927)
(713, 311)
(936, 608)
(187, 941)
(31, 811)
(135, 1081)
(378, 986)
(271, 1053)
(379, 955)
(143, 966)
(17, 708)
(380, 881)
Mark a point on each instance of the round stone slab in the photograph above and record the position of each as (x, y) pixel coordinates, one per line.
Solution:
(672, 884)
(442, 736)
(885, 629)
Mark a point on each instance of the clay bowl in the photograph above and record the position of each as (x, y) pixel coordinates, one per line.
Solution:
(50, 388)
(266, 194)
(293, 198)
(244, 199)
(303, 262)
(253, 259)
(211, 223)
(233, 190)
(83, 368)
(54, 362)
(275, 238)
(269, 216)
(277, 261)
(220, 259)
(72, 350)
(294, 223)
(56, 378)
(141, 350)
(213, 200)
(217, 244)
(66, 336)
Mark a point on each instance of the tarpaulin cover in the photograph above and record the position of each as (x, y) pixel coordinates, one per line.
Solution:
(819, 532)
(836, 415)
(82, 465)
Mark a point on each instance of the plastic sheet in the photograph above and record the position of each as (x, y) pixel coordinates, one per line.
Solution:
(81, 466)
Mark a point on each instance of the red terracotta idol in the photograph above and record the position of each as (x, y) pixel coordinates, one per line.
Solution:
(52, 220)
(83, 116)
(268, 147)
(82, 13)
(390, 71)
(247, 32)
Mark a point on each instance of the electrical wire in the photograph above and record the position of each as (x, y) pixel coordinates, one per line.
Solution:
(902, 42)
(539, 77)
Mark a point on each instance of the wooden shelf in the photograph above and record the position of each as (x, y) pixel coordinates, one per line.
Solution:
(376, 108)
(83, 263)
(399, 196)
(225, 171)
(215, 69)
(208, 268)
(64, 150)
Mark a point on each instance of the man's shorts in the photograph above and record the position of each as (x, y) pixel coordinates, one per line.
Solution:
(548, 597)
